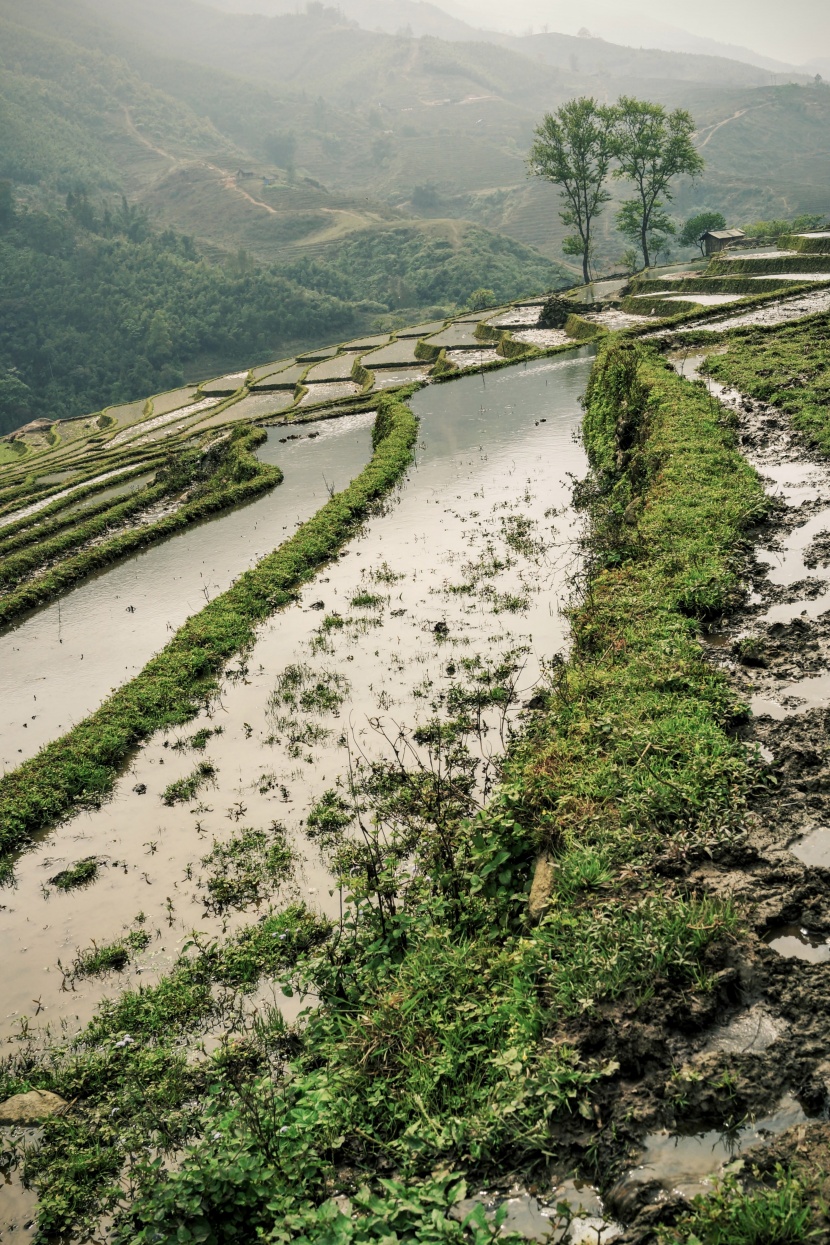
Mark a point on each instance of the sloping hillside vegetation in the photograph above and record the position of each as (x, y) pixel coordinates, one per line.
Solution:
(106, 298)
(101, 308)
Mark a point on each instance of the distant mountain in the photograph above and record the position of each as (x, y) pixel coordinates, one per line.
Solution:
(819, 66)
(630, 29)
(597, 57)
(407, 17)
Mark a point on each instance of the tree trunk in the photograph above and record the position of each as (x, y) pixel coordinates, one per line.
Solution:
(586, 277)
(644, 244)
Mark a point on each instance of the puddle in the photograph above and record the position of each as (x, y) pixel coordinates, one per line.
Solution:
(546, 338)
(687, 1163)
(814, 849)
(18, 1205)
(464, 572)
(797, 942)
(793, 698)
(772, 313)
(538, 1218)
(109, 494)
(37, 506)
(59, 663)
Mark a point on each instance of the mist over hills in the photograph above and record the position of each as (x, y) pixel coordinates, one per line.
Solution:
(373, 174)
(492, 22)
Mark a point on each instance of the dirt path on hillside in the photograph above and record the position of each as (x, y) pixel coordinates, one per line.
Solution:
(135, 133)
(226, 179)
(713, 129)
(343, 221)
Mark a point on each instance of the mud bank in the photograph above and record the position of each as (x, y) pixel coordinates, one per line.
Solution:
(771, 1038)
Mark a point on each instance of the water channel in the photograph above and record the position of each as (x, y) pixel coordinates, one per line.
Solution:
(466, 570)
(58, 664)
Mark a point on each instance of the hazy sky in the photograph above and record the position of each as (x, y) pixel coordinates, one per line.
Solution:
(796, 31)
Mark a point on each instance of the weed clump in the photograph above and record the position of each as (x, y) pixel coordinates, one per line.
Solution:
(752, 1212)
(184, 789)
(82, 873)
(246, 868)
(110, 957)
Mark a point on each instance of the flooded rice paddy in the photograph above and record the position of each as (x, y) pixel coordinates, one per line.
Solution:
(454, 591)
(60, 663)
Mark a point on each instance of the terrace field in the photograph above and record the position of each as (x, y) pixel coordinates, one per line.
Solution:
(414, 689)
(568, 862)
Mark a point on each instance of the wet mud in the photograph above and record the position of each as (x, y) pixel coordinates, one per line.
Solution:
(751, 1077)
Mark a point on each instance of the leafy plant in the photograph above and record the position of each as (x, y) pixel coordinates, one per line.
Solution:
(751, 1213)
(246, 868)
(110, 957)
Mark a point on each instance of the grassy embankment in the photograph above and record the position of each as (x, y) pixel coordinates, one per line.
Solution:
(195, 483)
(81, 767)
(662, 307)
(788, 366)
(453, 1034)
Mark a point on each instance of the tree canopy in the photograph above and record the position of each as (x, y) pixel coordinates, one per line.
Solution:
(583, 143)
(696, 226)
(573, 149)
(652, 148)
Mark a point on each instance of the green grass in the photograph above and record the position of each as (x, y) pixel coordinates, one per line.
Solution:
(366, 601)
(450, 1033)
(81, 767)
(185, 789)
(778, 1213)
(788, 367)
(246, 869)
(735, 264)
(80, 874)
(713, 285)
(110, 957)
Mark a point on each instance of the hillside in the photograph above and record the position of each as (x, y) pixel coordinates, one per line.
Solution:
(368, 112)
(365, 175)
(81, 120)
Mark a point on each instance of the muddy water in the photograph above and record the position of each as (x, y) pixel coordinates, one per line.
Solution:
(467, 568)
(686, 1162)
(58, 664)
(800, 589)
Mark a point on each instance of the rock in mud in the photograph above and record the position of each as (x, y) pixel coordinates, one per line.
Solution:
(542, 887)
(523, 1217)
(31, 1108)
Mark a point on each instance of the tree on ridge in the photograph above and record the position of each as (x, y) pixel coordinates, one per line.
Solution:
(652, 148)
(573, 149)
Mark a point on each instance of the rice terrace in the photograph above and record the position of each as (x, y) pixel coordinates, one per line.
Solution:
(414, 624)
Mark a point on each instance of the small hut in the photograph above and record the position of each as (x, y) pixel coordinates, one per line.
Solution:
(714, 240)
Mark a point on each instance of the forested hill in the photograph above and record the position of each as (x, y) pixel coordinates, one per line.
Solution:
(292, 180)
(100, 308)
(133, 256)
